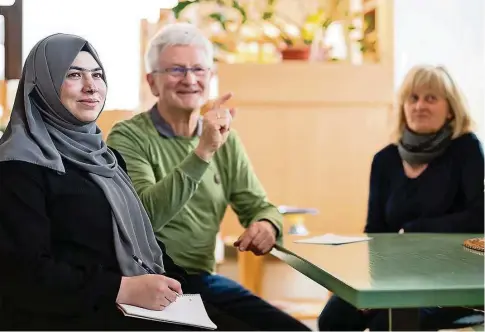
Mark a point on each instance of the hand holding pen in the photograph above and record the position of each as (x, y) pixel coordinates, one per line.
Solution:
(151, 271)
(152, 291)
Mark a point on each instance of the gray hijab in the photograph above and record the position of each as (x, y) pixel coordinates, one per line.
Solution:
(42, 131)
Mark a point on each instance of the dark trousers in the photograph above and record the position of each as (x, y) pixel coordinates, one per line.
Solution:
(232, 307)
(229, 305)
(339, 315)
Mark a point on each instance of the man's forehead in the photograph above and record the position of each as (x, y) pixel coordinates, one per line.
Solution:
(183, 54)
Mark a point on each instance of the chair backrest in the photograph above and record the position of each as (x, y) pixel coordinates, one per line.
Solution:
(109, 118)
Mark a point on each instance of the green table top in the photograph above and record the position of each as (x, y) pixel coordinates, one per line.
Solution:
(393, 270)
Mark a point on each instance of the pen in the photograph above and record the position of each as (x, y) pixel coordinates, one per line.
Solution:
(147, 268)
(143, 265)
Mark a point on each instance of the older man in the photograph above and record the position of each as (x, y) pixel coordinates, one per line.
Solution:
(187, 169)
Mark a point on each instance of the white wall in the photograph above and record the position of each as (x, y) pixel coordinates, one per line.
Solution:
(112, 27)
(113, 30)
(446, 32)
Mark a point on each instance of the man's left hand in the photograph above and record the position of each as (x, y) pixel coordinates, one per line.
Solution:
(259, 237)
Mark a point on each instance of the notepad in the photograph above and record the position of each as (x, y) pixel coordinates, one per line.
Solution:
(187, 309)
(333, 239)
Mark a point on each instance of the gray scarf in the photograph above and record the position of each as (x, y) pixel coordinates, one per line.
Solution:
(42, 131)
(419, 149)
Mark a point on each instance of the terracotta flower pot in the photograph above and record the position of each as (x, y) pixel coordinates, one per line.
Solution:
(295, 53)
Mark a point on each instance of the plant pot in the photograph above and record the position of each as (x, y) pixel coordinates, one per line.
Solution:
(295, 53)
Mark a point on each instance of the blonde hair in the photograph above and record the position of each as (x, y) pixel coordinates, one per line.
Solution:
(438, 80)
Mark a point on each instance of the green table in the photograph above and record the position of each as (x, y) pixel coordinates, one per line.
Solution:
(394, 270)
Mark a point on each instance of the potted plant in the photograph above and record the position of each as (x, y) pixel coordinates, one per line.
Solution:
(227, 16)
(292, 39)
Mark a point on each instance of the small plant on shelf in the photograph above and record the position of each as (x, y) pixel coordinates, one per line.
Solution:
(232, 24)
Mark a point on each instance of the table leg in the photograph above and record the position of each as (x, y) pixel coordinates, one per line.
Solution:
(251, 271)
(404, 319)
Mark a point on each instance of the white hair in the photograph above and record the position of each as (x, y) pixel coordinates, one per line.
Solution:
(176, 34)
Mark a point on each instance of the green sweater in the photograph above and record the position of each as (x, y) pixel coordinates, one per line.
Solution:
(186, 197)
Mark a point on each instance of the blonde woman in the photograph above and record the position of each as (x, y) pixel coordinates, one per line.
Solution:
(429, 180)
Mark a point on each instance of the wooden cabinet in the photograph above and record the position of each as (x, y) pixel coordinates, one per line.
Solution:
(311, 131)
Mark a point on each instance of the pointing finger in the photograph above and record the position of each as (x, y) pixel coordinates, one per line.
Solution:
(221, 100)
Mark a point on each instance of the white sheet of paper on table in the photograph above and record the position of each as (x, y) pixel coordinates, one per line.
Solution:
(333, 239)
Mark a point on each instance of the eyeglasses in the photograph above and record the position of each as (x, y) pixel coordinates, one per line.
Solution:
(179, 71)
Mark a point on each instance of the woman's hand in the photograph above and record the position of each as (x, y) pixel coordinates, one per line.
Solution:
(150, 291)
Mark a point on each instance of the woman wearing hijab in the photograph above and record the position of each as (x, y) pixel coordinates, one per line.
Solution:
(430, 180)
(70, 220)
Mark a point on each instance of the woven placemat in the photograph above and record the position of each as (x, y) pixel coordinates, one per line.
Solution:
(474, 244)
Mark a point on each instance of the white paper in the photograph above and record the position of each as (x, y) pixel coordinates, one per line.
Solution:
(333, 239)
(186, 310)
(283, 209)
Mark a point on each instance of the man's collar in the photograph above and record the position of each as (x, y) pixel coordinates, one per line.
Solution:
(164, 128)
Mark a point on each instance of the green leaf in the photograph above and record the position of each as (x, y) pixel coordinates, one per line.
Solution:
(268, 15)
(241, 10)
(326, 23)
(222, 46)
(219, 18)
(181, 6)
(287, 41)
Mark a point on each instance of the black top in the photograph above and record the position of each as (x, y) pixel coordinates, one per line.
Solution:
(446, 198)
(58, 263)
